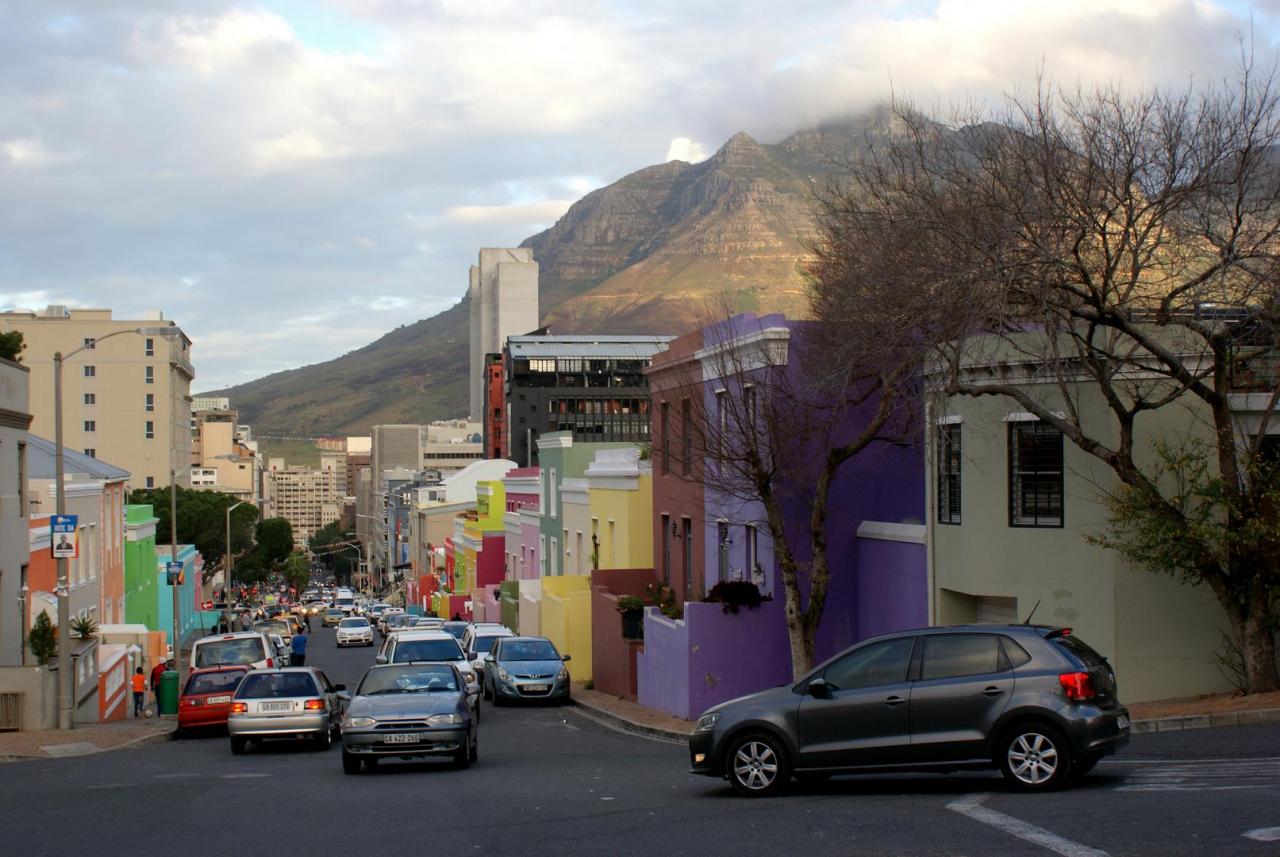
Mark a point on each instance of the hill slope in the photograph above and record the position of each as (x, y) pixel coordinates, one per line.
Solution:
(649, 253)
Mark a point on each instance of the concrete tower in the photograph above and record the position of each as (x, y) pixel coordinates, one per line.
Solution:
(503, 291)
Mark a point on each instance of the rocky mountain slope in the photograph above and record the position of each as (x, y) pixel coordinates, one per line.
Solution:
(654, 252)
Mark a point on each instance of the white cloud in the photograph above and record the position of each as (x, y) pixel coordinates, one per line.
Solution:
(684, 149)
(547, 211)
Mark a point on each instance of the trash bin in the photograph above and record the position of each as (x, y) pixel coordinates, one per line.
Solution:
(168, 694)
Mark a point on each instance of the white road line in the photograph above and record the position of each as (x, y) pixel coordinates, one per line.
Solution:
(248, 776)
(1125, 760)
(1263, 834)
(972, 807)
(173, 776)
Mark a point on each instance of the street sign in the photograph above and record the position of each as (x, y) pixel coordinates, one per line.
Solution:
(65, 538)
(173, 573)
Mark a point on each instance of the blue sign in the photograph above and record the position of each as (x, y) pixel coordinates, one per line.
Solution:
(64, 537)
(173, 573)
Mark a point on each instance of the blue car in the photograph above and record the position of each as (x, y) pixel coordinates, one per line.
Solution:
(525, 668)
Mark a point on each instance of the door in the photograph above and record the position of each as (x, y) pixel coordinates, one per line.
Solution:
(964, 686)
(863, 717)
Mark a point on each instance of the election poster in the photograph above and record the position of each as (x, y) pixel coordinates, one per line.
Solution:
(65, 536)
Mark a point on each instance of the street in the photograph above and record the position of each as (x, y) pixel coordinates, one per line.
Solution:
(552, 782)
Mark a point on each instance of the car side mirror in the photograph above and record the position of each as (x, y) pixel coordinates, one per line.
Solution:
(339, 687)
(380, 659)
(819, 689)
(566, 658)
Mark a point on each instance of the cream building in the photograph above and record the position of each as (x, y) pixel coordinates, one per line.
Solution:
(220, 459)
(126, 399)
(452, 445)
(305, 497)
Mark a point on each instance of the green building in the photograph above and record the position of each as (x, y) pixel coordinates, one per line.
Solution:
(141, 581)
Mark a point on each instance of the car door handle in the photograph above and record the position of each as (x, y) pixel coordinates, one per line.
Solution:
(993, 691)
(894, 701)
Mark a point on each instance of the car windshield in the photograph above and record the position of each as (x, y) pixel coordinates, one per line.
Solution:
(272, 626)
(245, 650)
(269, 685)
(528, 650)
(483, 645)
(219, 682)
(333, 611)
(426, 650)
(1081, 650)
(354, 623)
(416, 679)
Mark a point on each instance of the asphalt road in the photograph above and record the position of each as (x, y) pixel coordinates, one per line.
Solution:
(550, 782)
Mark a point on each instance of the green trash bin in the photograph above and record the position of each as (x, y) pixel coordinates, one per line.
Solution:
(168, 694)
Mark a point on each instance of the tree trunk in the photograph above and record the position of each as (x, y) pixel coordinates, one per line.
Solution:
(797, 637)
(1258, 646)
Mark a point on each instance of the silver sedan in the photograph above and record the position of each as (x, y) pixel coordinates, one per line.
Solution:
(290, 703)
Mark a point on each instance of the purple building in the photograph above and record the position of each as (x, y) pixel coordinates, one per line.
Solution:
(705, 532)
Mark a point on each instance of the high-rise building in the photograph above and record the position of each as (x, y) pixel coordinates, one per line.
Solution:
(305, 497)
(222, 458)
(126, 399)
(503, 297)
(451, 445)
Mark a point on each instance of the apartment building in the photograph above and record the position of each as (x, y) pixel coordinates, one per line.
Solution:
(502, 293)
(452, 445)
(305, 497)
(220, 459)
(14, 507)
(126, 398)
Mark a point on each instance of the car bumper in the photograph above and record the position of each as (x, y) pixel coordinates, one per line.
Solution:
(354, 639)
(704, 758)
(1099, 732)
(517, 689)
(250, 725)
(200, 716)
(431, 742)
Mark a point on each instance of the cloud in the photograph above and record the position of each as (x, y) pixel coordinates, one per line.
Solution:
(289, 178)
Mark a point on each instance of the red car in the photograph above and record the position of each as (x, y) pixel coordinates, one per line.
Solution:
(207, 697)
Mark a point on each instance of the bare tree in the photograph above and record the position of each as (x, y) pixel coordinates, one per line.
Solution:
(1102, 243)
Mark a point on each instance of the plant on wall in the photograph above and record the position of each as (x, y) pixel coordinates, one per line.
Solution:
(632, 609)
(736, 594)
(662, 596)
(84, 627)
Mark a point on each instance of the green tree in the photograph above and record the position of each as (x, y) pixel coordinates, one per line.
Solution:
(11, 345)
(297, 570)
(336, 550)
(43, 639)
(275, 541)
(202, 522)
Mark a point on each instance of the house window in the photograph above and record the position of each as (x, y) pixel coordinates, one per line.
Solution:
(581, 554)
(749, 407)
(753, 557)
(91, 371)
(91, 452)
(1035, 475)
(150, 430)
(687, 554)
(549, 560)
(151, 374)
(551, 493)
(150, 348)
(722, 422)
(151, 402)
(613, 544)
(722, 551)
(542, 556)
(22, 480)
(665, 418)
(666, 548)
(949, 474)
(90, 425)
(686, 437)
(542, 365)
(90, 342)
(90, 399)
(151, 482)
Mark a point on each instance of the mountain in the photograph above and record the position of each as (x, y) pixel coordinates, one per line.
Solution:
(653, 252)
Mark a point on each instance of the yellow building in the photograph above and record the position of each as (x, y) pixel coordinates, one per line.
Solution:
(620, 502)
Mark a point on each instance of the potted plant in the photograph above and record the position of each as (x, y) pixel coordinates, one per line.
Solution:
(736, 594)
(84, 627)
(632, 609)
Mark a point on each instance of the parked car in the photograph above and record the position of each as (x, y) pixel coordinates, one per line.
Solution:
(456, 628)
(396, 621)
(520, 668)
(247, 648)
(291, 703)
(410, 711)
(333, 617)
(386, 615)
(354, 631)
(423, 645)
(283, 652)
(279, 625)
(1035, 702)
(207, 697)
(478, 641)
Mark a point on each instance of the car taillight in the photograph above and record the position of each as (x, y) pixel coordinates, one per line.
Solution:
(239, 708)
(1078, 687)
(314, 705)
(269, 663)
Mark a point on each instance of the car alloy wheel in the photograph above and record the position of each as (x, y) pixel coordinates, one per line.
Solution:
(758, 766)
(1035, 757)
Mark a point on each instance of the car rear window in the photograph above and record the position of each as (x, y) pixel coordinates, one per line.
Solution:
(245, 650)
(354, 623)
(482, 645)
(269, 685)
(1080, 649)
(427, 650)
(221, 682)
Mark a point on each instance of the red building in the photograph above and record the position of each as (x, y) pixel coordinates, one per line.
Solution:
(495, 409)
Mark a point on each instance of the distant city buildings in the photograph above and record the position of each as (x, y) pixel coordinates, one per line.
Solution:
(306, 497)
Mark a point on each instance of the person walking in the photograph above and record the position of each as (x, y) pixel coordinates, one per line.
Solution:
(157, 671)
(139, 691)
(298, 650)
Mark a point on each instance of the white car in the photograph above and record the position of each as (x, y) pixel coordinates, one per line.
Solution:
(387, 614)
(478, 640)
(427, 646)
(355, 631)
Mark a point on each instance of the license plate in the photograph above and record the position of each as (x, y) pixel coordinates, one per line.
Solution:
(214, 700)
(1122, 722)
(402, 739)
(276, 706)
(535, 688)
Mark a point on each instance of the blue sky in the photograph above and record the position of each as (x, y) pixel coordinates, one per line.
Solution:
(290, 179)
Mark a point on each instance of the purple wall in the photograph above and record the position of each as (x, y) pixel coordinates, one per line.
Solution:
(892, 591)
(662, 669)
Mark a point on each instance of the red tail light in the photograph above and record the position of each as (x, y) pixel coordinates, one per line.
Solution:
(269, 663)
(314, 705)
(239, 708)
(1077, 686)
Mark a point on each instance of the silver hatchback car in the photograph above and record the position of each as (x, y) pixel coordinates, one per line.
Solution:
(291, 703)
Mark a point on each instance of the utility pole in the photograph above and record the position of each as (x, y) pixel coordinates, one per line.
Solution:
(66, 681)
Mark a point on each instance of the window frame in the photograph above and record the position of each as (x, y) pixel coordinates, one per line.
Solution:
(1016, 474)
(949, 469)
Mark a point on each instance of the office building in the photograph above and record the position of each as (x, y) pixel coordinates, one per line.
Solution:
(503, 297)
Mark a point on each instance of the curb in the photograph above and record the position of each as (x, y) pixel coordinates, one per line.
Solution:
(133, 743)
(1206, 721)
(621, 724)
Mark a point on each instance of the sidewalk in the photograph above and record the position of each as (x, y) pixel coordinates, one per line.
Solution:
(85, 739)
(1169, 715)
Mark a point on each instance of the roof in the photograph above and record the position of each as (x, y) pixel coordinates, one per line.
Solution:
(41, 463)
(625, 347)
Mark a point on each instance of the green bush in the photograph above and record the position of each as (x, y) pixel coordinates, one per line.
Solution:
(43, 640)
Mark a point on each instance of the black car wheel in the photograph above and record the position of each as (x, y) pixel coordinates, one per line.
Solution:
(1034, 757)
(462, 758)
(758, 765)
(350, 763)
(238, 745)
(475, 751)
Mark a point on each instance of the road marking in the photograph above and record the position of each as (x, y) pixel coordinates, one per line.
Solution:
(109, 786)
(249, 776)
(1207, 776)
(972, 807)
(1263, 834)
(173, 776)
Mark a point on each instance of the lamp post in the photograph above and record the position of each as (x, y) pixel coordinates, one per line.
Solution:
(66, 681)
(228, 563)
(368, 562)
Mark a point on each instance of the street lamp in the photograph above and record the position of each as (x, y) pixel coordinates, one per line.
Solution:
(368, 561)
(66, 681)
(227, 563)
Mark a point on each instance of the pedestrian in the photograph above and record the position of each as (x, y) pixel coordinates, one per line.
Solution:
(157, 671)
(298, 650)
(139, 691)
(306, 615)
